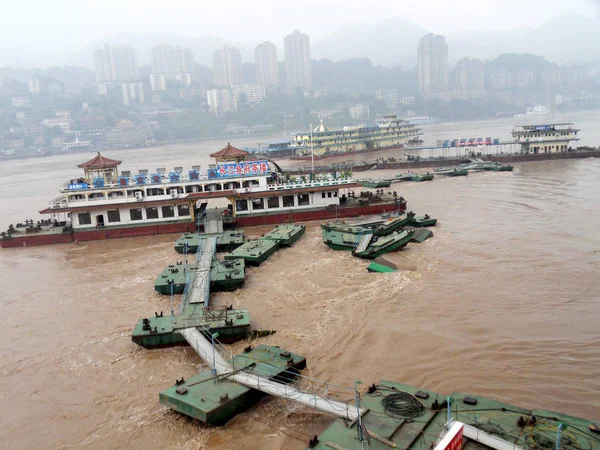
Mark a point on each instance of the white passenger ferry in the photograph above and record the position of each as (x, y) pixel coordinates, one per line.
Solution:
(107, 203)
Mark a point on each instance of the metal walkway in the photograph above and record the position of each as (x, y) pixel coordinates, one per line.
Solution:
(213, 357)
(364, 242)
(213, 222)
(197, 288)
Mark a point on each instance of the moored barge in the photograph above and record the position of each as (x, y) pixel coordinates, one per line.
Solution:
(105, 203)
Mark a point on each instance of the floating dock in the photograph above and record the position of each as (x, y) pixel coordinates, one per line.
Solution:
(165, 331)
(421, 235)
(392, 224)
(227, 275)
(172, 279)
(285, 235)
(382, 265)
(232, 325)
(216, 400)
(226, 241)
(254, 252)
(422, 221)
(406, 417)
(371, 246)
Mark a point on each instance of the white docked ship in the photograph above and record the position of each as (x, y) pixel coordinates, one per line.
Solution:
(545, 138)
(108, 203)
(389, 132)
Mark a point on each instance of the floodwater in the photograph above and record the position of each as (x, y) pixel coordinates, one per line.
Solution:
(504, 301)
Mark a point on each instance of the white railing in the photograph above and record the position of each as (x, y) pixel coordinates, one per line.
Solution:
(58, 202)
(319, 397)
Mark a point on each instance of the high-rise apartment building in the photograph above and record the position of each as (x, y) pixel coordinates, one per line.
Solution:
(227, 66)
(103, 64)
(432, 58)
(158, 82)
(297, 61)
(469, 75)
(163, 61)
(35, 86)
(172, 61)
(228, 99)
(267, 70)
(253, 93)
(221, 100)
(116, 64)
(184, 60)
(184, 78)
(124, 63)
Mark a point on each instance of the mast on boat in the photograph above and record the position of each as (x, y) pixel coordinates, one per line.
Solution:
(312, 151)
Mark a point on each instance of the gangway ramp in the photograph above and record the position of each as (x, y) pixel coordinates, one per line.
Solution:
(364, 242)
(213, 222)
(213, 357)
(198, 287)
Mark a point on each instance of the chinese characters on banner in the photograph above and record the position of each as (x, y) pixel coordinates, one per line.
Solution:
(239, 169)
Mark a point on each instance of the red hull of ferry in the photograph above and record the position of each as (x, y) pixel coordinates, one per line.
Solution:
(28, 240)
(144, 230)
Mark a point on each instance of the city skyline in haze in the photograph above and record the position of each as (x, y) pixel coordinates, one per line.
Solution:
(36, 27)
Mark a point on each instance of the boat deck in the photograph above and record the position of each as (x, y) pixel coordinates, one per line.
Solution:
(175, 275)
(407, 417)
(420, 234)
(285, 235)
(164, 331)
(227, 275)
(226, 241)
(216, 401)
(254, 252)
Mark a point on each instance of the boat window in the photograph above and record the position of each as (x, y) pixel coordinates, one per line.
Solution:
(76, 197)
(135, 214)
(303, 199)
(258, 203)
(114, 216)
(84, 218)
(335, 194)
(329, 195)
(288, 200)
(273, 202)
(96, 195)
(323, 194)
(241, 205)
(168, 211)
(183, 210)
(131, 193)
(154, 191)
(152, 213)
(116, 194)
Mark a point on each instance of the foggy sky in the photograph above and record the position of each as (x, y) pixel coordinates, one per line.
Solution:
(59, 25)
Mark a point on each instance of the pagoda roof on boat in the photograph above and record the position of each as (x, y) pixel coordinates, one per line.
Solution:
(229, 152)
(321, 128)
(99, 162)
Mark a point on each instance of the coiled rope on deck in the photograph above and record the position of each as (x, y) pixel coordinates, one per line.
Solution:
(403, 404)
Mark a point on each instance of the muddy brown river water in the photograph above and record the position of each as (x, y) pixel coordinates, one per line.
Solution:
(503, 302)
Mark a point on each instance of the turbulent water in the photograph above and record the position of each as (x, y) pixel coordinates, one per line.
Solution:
(503, 302)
